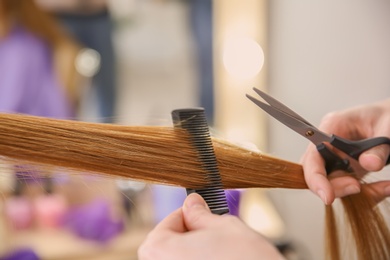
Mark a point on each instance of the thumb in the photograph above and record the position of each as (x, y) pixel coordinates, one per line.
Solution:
(197, 214)
(375, 158)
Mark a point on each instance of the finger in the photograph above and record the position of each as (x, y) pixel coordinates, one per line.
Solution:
(379, 190)
(375, 159)
(162, 237)
(315, 175)
(344, 186)
(196, 213)
(174, 222)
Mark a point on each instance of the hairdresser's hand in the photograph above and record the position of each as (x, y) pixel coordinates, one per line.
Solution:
(193, 232)
(354, 124)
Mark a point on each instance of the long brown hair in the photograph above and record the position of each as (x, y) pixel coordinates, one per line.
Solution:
(165, 155)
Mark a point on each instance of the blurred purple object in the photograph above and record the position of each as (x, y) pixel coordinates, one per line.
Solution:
(28, 82)
(94, 221)
(21, 254)
(166, 199)
(233, 199)
(27, 174)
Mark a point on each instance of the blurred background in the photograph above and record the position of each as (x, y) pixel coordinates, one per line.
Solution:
(132, 62)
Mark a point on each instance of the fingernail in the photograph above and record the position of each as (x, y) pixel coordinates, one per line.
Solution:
(351, 189)
(322, 195)
(194, 200)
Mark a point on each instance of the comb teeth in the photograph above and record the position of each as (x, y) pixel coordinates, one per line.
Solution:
(194, 121)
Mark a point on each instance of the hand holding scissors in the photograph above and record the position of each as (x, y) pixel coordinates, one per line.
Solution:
(348, 152)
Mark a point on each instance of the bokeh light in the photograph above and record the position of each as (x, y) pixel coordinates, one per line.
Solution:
(243, 57)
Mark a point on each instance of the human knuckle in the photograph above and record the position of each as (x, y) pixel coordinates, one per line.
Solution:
(149, 252)
(196, 218)
(149, 249)
(231, 220)
(331, 117)
(145, 252)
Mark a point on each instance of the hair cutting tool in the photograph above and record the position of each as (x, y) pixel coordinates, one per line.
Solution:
(194, 121)
(333, 162)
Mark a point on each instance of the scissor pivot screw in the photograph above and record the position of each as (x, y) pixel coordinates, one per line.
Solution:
(309, 133)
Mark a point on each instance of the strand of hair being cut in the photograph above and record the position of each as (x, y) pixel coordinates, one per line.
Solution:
(165, 155)
(152, 154)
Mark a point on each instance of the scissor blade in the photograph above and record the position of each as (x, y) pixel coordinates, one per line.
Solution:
(277, 104)
(301, 127)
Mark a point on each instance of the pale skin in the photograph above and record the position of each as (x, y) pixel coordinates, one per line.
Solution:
(356, 123)
(193, 232)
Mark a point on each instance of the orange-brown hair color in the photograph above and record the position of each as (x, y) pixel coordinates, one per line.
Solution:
(165, 155)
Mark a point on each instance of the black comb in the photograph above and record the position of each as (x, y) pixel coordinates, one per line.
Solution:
(194, 121)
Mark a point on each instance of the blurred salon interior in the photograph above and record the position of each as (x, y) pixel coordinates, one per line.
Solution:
(131, 62)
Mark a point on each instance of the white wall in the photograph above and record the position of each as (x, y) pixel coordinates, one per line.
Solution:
(323, 56)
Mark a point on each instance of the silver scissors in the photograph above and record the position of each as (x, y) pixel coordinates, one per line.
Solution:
(294, 121)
